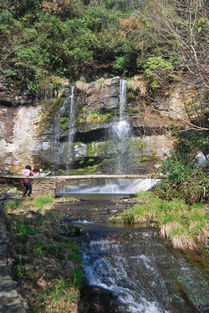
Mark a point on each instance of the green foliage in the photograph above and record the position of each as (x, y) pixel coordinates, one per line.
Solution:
(61, 289)
(184, 182)
(154, 67)
(122, 62)
(43, 249)
(96, 117)
(85, 170)
(73, 38)
(92, 148)
(118, 4)
(62, 38)
(74, 254)
(32, 86)
(203, 25)
(24, 231)
(135, 146)
(183, 177)
(64, 123)
(13, 204)
(127, 217)
(78, 278)
(20, 270)
(153, 63)
(41, 201)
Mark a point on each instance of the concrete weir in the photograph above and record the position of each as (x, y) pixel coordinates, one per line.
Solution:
(51, 183)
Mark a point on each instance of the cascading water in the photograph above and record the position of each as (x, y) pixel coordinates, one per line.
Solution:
(120, 187)
(122, 97)
(136, 269)
(108, 266)
(120, 132)
(71, 130)
(129, 269)
(68, 108)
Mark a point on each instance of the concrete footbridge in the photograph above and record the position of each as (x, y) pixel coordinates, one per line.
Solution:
(51, 184)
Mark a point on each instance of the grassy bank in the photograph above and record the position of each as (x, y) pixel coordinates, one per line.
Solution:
(185, 226)
(44, 262)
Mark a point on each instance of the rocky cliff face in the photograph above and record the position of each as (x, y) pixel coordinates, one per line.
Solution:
(75, 129)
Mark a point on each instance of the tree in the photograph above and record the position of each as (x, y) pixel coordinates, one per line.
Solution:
(181, 27)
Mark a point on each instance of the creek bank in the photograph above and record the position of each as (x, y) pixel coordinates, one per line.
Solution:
(11, 300)
(185, 226)
(43, 261)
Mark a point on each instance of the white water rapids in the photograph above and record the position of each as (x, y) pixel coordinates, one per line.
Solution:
(111, 273)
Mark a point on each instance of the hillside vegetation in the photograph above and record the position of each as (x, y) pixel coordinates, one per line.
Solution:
(162, 40)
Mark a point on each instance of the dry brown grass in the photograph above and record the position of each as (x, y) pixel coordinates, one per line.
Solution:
(137, 83)
(81, 85)
(201, 235)
(184, 242)
(165, 229)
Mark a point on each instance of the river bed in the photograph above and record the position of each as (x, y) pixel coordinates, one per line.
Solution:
(131, 269)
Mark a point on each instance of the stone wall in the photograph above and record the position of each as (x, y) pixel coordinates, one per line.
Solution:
(10, 300)
(40, 185)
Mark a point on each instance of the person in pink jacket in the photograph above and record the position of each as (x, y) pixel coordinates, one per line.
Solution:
(26, 180)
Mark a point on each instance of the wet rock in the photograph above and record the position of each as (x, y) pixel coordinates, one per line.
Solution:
(111, 102)
(68, 229)
(97, 300)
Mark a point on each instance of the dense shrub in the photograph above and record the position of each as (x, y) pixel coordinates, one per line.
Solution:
(183, 176)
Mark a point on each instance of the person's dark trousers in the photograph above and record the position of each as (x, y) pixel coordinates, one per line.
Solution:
(28, 189)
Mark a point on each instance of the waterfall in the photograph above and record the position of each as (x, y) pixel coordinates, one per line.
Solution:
(122, 98)
(68, 108)
(120, 132)
(109, 265)
(69, 102)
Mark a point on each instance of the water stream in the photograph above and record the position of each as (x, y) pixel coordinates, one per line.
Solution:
(127, 269)
(68, 108)
(72, 123)
(130, 269)
(120, 132)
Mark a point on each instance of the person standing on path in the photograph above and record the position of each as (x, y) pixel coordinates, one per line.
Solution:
(26, 180)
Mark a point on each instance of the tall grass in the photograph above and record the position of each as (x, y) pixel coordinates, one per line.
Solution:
(185, 226)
